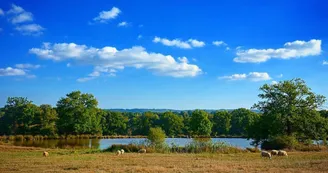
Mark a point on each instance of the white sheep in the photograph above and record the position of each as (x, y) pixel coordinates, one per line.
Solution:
(45, 154)
(118, 152)
(122, 151)
(266, 154)
(282, 153)
(274, 152)
(142, 151)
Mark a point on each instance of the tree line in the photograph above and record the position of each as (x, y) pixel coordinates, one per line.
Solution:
(288, 108)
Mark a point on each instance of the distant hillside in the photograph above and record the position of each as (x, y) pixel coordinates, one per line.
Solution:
(138, 110)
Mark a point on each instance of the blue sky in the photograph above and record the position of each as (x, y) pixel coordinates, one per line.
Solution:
(160, 54)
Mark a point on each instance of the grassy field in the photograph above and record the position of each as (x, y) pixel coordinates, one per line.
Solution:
(23, 159)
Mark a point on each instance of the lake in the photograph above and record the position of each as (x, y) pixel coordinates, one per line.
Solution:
(105, 143)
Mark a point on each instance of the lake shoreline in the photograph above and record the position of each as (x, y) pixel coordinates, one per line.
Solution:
(40, 137)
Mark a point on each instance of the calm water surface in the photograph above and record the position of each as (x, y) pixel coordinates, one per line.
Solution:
(105, 143)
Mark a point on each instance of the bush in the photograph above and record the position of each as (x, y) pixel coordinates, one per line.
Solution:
(253, 150)
(29, 137)
(156, 136)
(127, 148)
(280, 142)
(19, 137)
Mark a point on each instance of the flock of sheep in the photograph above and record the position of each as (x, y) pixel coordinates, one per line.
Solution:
(263, 153)
(274, 152)
(121, 151)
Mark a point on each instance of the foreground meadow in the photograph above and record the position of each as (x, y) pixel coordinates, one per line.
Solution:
(23, 159)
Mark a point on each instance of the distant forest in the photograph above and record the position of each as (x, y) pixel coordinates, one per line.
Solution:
(288, 108)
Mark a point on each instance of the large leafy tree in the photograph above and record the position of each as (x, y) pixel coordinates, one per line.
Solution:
(45, 121)
(144, 122)
(17, 116)
(200, 123)
(78, 114)
(221, 122)
(114, 123)
(171, 123)
(241, 120)
(285, 105)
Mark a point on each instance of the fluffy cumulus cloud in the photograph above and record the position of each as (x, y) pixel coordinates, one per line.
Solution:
(196, 43)
(122, 24)
(30, 29)
(27, 66)
(179, 43)
(19, 70)
(325, 63)
(21, 20)
(23, 17)
(108, 60)
(290, 50)
(252, 76)
(9, 71)
(105, 16)
(219, 43)
(274, 82)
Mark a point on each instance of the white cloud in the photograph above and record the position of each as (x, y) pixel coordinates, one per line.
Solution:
(15, 9)
(219, 43)
(17, 15)
(30, 29)
(23, 17)
(178, 43)
(108, 60)
(68, 65)
(27, 66)
(290, 50)
(196, 43)
(280, 76)
(252, 76)
(12, 72)
(121, 24)
(227, 48)
(325, 63)
(139, 36)
(194, 59)
(105, 16)
(274, 82)
(1, 12)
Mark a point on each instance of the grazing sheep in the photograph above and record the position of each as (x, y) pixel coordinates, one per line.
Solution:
(282, 153)
(122, 151)
(118, 152)
(274, 152)
(266, 154)
(142, 151)
(45, 154)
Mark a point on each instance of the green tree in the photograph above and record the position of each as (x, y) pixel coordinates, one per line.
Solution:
(221, 122)
(45, 121)
(17, 116)
(200, 124)
(285, 103)
(324, 113)
(171, 123)
(78, 114)
(114, 123)
(156, 136)
(241, 120)
(144, 122)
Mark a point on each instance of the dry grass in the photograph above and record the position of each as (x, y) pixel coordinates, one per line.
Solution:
(23, 159)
